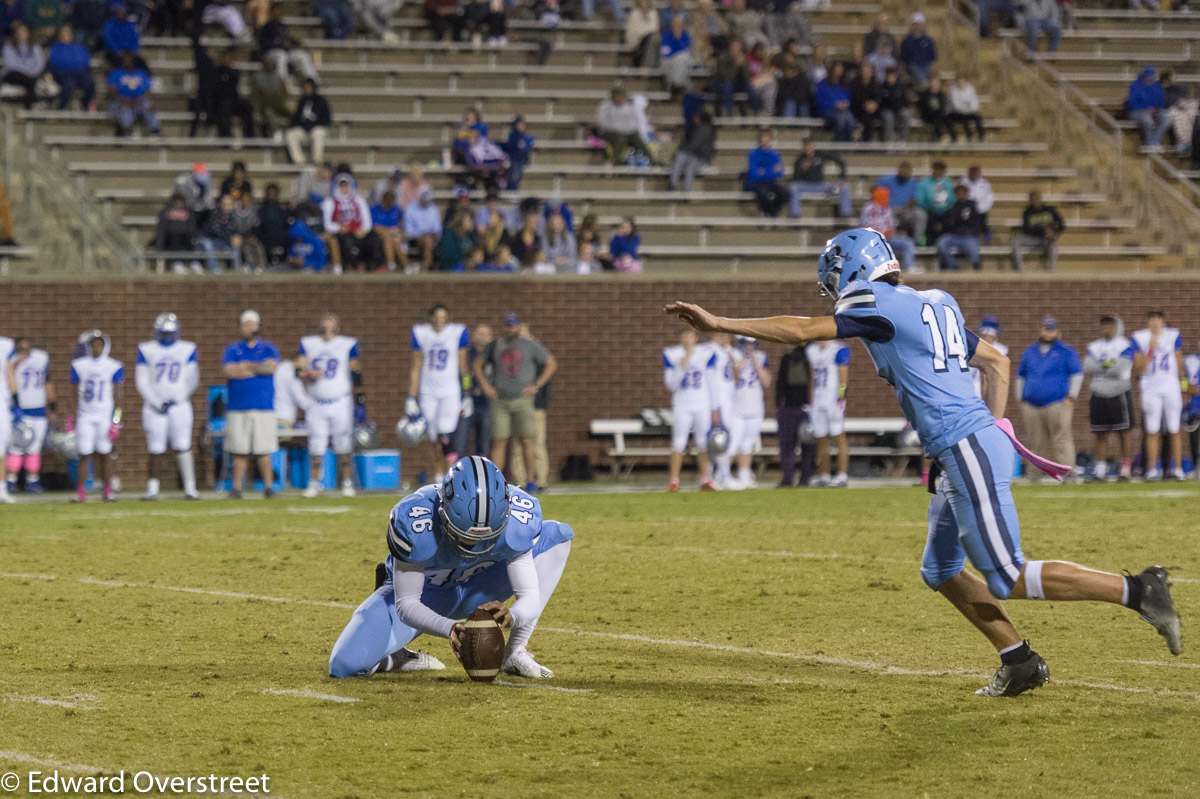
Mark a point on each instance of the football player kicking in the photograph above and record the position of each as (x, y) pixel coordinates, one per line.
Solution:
(472, 541)
(920, 345)
(166, 375)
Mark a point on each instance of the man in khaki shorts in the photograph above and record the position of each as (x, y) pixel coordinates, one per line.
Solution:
(519, 368)
(250, 426)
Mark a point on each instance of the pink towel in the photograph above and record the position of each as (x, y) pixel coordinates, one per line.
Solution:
(1055, 470)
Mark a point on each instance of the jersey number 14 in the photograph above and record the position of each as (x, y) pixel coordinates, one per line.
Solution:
(950, 343)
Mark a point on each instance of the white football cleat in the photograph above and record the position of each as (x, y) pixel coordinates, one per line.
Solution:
(418, 661)
(840, 481)
(522, 664)
(312, 491)
(6, 497)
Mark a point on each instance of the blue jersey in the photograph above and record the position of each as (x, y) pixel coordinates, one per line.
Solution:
(921, 346)
(414, 536)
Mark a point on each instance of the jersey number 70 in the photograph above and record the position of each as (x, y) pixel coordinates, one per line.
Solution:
(951, 343)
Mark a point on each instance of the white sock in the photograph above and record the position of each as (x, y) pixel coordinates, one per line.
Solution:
(549, 566)
(152, 487)
(744, 475)
(1008, 649)
(187, 470)
(32, 477)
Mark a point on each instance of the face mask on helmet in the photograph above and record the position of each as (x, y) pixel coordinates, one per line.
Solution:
(166, 328)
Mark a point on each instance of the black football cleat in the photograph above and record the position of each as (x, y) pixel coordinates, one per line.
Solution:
(1017, 679)
(1158, 609)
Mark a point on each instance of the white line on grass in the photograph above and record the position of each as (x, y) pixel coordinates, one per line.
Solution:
(309, 695)
(185, 514)
(78, 702)
(21, 757)
(230, 594)
(1163, 663)
(539, 687)
(16, 576)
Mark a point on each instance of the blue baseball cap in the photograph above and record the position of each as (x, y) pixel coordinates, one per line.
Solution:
(511, 319)
(1050, 323)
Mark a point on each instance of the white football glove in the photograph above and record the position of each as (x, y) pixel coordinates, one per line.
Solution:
(468, 406)
(412, 407)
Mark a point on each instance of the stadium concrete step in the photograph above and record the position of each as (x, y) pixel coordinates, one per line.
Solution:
(1088, 40)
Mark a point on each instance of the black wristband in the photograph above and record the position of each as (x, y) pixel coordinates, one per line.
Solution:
(52, 406)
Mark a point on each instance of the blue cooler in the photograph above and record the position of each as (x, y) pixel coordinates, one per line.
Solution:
(301, 472)
(378, 469)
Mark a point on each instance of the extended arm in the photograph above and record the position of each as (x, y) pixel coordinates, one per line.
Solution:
(994, 369)
(781, 329)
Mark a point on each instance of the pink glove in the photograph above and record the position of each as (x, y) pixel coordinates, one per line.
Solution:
(114, 431)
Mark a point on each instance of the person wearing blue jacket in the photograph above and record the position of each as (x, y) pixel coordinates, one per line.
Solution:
(833, 104)
(519, 149)
(918, 52)
(764, 169)
(70, 65)
(305, 248)
(120, 35)
(1048, 381)
(1147, 107)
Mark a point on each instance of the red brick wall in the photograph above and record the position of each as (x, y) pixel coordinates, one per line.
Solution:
(606, 333)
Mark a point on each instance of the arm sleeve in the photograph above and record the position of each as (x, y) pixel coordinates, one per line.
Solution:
(671, 375)
(409, 582)
(119, 376)
(191, 377)
(871, 328)
(843, 357)
(145, 386)
(523, 576)
(1076, 384)
(1020, 386)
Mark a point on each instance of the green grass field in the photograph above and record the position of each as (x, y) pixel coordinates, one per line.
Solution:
(766, 643)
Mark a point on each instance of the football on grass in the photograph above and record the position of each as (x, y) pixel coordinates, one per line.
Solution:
(481, 646)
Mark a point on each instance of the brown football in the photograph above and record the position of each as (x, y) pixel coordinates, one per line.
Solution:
(482, 646)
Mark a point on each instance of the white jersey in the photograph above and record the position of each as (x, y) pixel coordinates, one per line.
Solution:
(31, 376)
(1191, 365)
(439, 357)
(332, 359)
(6, 351)
(824, 358)
(96, 378)
(748, 390)
(166, 372)
(1162, 370)
(724, 381)
(977, 376)
(690, 380)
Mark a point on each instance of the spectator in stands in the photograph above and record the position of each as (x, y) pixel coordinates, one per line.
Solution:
(492, 204)
(877, 214)
(486, 161)
(309, 125)
(918, 52)
(128, 92)
(1042, 17)
(347, 220)
(1006, 9)
(121, 35)
(979, 190)
(461, 202)
(444, 18)
(526, 244)
(618, 10)
(458, 239)
(248, 226)
(423, 224)
(462, 136)
(176, 232)
(273, 227)
(194, 187)
(764, 170)
(882, 59)
(494, 233)
(673, 8)
(413, 186)
(795, 87)
(641, 34)
(894, 107)
(710, 33)
(745, 25)
(11, 12)
(902, 197)
(70, 65)
(280, 49)
(306, 250)
(623, 248)
(43, 18)
(1049, 377)
(385, 221)
(23, 63)
(676, 49)
(963, 229)
(237, 180)
(219, 237)
(519, 149)
(591, 245)
(864, 103)
(616, 119)
(808, 177)
(227, 102)
(165, 18)
(558, 244)
(963, 108)
(391, 181)
(486, 17)
(791, 400)
(269, 101)
(1041, 225)
(337, 17)
(220, 12)
(935, 195)
(833, 104)
(377, 15)
(1172, 92)
(762, 78)
(695, 153)
(880, 32)
(933, 107)
(1146, 105)
(732, 74)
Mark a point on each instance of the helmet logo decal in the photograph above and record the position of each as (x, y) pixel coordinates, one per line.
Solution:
(481, 497)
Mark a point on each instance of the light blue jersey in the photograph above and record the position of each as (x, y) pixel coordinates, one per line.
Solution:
(921, 346)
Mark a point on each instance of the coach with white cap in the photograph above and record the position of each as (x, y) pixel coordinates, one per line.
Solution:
(250, 428)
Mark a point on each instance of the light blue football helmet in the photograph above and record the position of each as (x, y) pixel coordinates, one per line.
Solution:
(857, 254)
(473, 507)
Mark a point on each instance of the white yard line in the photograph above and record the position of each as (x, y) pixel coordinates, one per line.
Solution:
(205, 513)
(21, 757)
(229, 594)
(80, 702)
(540, 687)
(309, 695)
(17, 576)
(1163, 663)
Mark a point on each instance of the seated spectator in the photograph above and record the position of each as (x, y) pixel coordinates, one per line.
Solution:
(762, 78)
(880, 32)
(1146, 105)
(494, 233)
(70, 66)
(555, 205)
(237, 180)
(227, 101)
(273, 226)
(337, 18)
(673, 8)
(269, 100)
(745, 25)
(501, 261)
(558, 244)
(526, 243)
(309, 125)
(676, 49)
(641, 34)
(462, 137)
(492, 204)
(808, 177)
(710, 33)
(164, 18)
(128, 93)
(176, 232)
(248, 225)
(229, 17)
(385, 222)
(588, 9)
(458, 240)
(120, 35)
(894, 108)
(963, 108)
(281, 50)
(1042, 16)
(519, 149)
(877, 215)
(764, 169)
(623, 248)
(918, 52)
(979, 190)
(461, 202)
(833, 104)
(935, 195)
(486, 18)
(12, 12)
(1181, 110)
(423, 224)
(23, 63)
(617, 123)
(902, 196)
(732, 74)
(589, 233)
(864, 103)
(43, 18)
(963, 228)
(882, 58)
(486, 161)
(1041, 225)
(933, 107)
(696, 152)
(347, 219)
(444, 18)
(413, 186)
(795, 88)
(306, 249)
(312, 187)
(194, 187)
(219, 237)
(377, 15)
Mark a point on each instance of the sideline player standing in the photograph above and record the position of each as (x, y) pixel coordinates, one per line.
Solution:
(436, 382)
(989, 331)
(166, 375)
(6, 386)
(1158, 362)
(688, 373)
(830, 365)
(329, 362)
(35, 402)
(723, 387)
(749, 409)
(920, 345)
(101, 380)
(1109, 360)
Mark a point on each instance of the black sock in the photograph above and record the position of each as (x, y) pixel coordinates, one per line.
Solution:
(1019, 655)
(1134, 584)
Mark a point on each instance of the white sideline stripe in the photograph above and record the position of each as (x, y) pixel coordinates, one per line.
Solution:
(1162, 493)
(186, 514)
(81, 702)
(230, 594)
(16, 576)
(786, 554)
(537, 687)
(309, 695)
(1163, 663)
(21, 757)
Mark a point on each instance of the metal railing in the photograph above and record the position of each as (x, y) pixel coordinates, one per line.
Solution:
(1164, 178)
